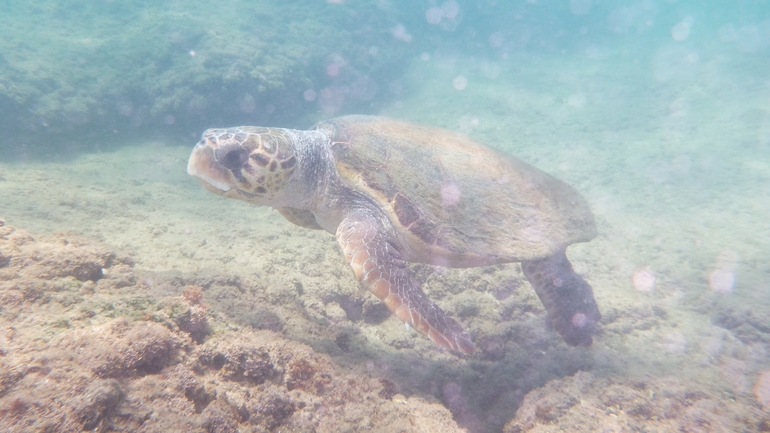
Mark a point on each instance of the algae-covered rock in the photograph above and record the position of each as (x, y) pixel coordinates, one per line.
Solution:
(99, 356)
(114, 65)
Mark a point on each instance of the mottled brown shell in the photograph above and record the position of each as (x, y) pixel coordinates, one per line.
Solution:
(452, 200)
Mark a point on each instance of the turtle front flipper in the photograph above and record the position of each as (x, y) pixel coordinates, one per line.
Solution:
(567, 297)
(380, 268)
(300, 217)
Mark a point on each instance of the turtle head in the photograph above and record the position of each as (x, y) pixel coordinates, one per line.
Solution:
(246, 163)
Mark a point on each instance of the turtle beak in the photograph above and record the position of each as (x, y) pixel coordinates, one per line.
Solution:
(204, 166)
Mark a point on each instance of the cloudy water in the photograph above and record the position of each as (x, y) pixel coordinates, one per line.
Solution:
(134, 299)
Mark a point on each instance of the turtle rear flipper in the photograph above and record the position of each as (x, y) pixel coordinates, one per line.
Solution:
(379, 267)
(567, 297)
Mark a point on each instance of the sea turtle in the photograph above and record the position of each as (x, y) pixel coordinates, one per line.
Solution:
(394, 192)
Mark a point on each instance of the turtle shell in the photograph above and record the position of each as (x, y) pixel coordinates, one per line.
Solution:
(452, 200)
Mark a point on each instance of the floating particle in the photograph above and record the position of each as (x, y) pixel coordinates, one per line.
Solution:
(644, 279)
(460, 82)
(309, 95)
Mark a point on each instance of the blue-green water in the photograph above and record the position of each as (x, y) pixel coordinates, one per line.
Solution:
(658, 112)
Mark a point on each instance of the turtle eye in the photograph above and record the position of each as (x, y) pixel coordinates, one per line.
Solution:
(232, 156)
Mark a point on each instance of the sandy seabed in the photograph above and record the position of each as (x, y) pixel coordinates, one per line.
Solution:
(132, 300)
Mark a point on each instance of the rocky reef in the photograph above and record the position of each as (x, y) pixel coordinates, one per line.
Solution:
(81, 348)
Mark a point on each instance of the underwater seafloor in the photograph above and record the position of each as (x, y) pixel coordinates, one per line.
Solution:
(133, 300)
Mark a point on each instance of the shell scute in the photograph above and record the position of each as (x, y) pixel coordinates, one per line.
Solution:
(453, 200)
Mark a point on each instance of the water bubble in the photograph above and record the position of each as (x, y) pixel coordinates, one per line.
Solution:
(579, 7)
(674, 343)
(333, 69)
(726, 33)
(727, 259)
(644, 279)
(712, 346)
(722, 280)
(399, 32)
(450, 194)
(579, 320)
(749, 39)
(309, 95)
(681, 164)
(460, 82)
(577, 100)
(621, 19)
(331, 98)
(395, 87)
(450, 9)
(496, 39)
(124, 108)
(434, 15)
(454, 399)
(762, 389)
(679, 108)
(247, 103)
(733, 371)
(490, 70)
(192, 53)
(466, 124)
(681, 30)
(364, 88)
(533, 234)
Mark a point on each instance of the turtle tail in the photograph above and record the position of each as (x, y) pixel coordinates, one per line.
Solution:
(567, 297)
